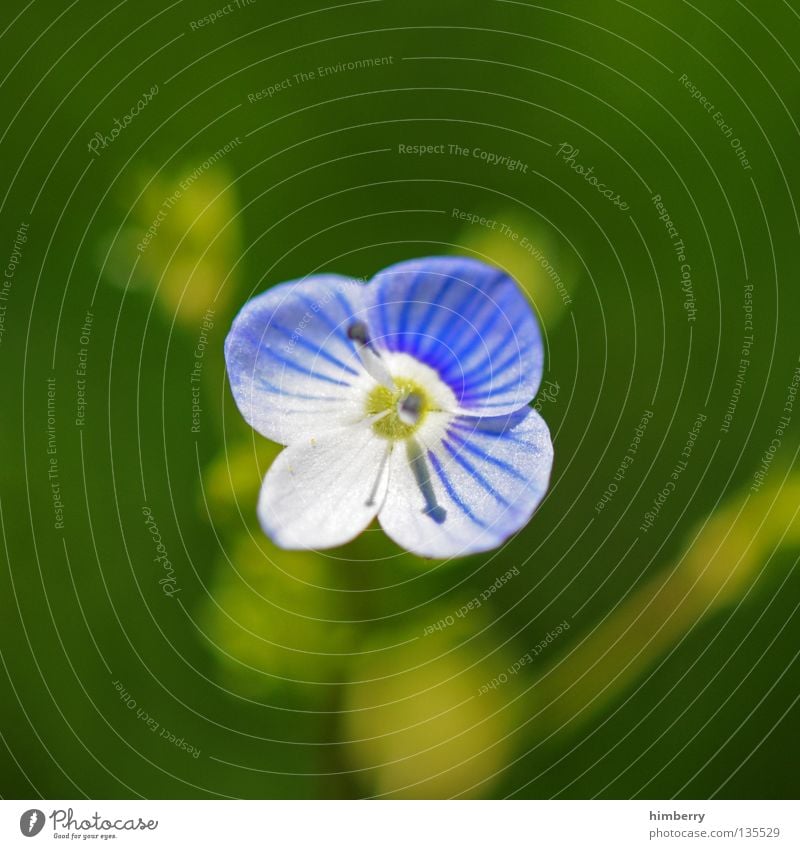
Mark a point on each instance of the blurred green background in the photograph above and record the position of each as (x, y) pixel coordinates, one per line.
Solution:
(239, 670)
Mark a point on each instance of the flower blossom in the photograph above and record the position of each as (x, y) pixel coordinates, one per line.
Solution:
(405, 398)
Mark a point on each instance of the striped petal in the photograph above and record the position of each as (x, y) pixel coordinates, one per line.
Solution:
(322, 492)
(469, 488)
(292, 367)
(467, 320)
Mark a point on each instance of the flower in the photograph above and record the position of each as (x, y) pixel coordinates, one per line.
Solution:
(404, 398)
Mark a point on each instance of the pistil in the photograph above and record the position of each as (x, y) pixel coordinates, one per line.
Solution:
(397, 412)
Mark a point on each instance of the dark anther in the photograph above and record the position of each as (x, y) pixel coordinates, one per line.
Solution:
(358, 332)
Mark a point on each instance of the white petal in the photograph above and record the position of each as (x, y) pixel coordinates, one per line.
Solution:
(323, 491)
(468, 484)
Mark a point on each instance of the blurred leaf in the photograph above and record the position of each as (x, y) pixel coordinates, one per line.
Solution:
(727, 555)
(415, 723)
(529, 252)
(232, 480)
(186, 235)
(268, 617)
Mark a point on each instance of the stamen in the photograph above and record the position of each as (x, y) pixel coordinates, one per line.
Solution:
(423, 478)
(368, 355)
(372, 419)
(370, 502)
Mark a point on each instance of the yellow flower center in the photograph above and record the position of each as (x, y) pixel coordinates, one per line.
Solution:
(404, 408)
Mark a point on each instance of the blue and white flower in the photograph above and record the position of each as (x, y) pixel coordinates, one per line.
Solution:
(405, 398)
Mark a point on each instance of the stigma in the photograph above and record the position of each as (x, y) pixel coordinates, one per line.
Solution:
(398, 412)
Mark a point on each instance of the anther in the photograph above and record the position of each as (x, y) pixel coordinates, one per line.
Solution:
(358, 333)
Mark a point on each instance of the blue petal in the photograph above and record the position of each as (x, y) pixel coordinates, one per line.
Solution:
(291, 364)
(467, 320)
(478, 484)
